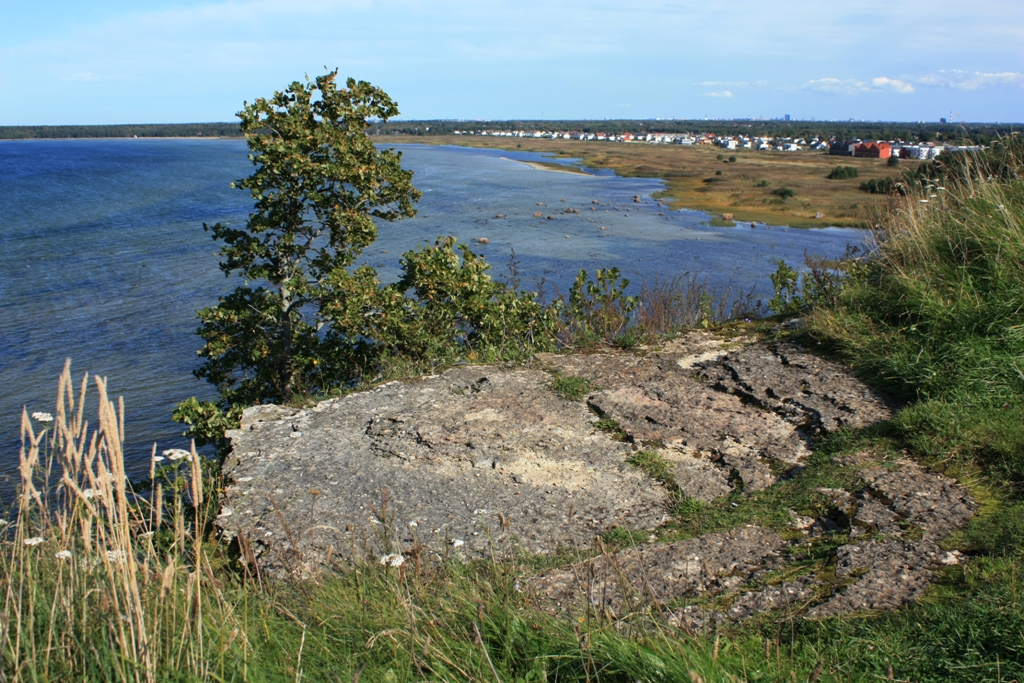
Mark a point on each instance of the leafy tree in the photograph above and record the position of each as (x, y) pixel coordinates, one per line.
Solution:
(319, 185)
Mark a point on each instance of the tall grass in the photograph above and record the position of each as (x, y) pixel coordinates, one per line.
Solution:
(936, 316)
(98, 582)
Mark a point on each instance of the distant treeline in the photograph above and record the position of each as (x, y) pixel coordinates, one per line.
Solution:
(128, 130)
(980, 133)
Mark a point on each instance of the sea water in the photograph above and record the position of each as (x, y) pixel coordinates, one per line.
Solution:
(103, 257)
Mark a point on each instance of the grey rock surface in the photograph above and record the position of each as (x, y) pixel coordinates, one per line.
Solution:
(483, 460)
(659, 574)
(903, 511)
(811, 392)
(443, 465)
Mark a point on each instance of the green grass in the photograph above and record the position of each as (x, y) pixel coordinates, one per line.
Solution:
(572, 388)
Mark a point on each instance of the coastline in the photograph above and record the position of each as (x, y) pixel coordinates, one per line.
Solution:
(548, 166)
(696, 179)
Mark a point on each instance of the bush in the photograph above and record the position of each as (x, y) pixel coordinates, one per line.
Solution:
(879, 186)
(893, 162)
(843, 173)
(783, 192)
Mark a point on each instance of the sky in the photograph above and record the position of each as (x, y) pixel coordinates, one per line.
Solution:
(176, 61)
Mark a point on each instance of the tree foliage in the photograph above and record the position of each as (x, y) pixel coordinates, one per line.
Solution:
(319, 187)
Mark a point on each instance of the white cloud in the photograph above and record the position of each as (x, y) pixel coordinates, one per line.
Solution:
(718, 93)
(970, 80)
(901, 87)
(836, 86)
(853, 86)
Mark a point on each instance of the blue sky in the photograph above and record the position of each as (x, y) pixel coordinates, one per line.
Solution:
(114, 61)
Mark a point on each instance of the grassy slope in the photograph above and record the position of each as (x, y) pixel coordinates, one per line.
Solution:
(936, 317)
(685, 170)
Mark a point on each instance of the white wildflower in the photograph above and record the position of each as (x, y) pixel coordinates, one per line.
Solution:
(177, 454)
(413, 525)
(115, 555)
(158, 458)
(393, 560)
(35, 540)
(458, 543)
(42, 417)
(3, 522)
(88, 493)
(63, 555)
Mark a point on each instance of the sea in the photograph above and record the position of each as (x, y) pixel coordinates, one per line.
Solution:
(104, 259)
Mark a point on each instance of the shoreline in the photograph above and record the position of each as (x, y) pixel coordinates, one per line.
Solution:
(548, 166)
(696, 179)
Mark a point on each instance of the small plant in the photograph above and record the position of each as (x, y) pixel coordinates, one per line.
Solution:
(656, 467)
(893, 162)
(843, 173)
(786, 301)
(762, 183)
(732, 159)
(783, 192)
(598, 310)
(720, 157)
(607, 424)
(572, 388)
(719, 172)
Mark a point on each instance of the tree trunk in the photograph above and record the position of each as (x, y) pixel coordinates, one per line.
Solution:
(286, 366)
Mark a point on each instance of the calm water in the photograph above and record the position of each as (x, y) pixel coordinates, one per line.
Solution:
(103, 258)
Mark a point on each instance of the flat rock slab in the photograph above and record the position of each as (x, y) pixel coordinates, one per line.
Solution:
(659, 574)
(732, 414)
(813, 393)
(446, 465)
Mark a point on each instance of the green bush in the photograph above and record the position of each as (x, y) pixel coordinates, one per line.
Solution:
(843, 173)
(783, 193)
(878, 186)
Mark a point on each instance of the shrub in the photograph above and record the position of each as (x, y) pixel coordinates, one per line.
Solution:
(843, 173)
(892, 162)
(878, 186)
(783, 193)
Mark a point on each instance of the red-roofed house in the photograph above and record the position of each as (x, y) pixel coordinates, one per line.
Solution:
(873, 150)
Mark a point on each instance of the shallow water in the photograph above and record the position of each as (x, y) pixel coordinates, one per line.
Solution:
(103, 257)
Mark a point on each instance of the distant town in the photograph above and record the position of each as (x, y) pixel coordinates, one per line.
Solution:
(877, 149)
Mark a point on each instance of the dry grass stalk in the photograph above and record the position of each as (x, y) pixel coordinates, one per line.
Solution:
(85, 583)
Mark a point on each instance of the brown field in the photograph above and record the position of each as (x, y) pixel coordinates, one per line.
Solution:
(692, 183)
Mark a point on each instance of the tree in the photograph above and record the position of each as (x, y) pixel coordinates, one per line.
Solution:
(319, 187)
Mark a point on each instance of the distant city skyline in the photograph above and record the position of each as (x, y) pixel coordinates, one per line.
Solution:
(112, 61)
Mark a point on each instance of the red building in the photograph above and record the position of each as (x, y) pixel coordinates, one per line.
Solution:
(873, 150)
